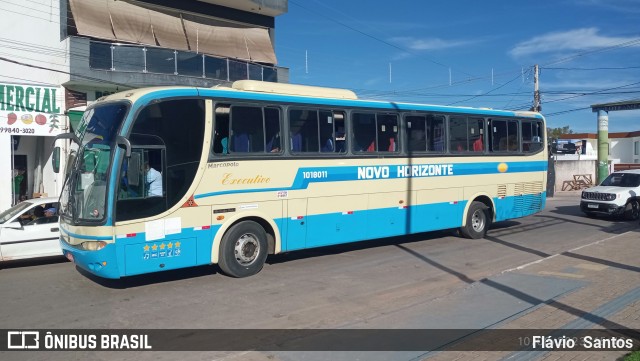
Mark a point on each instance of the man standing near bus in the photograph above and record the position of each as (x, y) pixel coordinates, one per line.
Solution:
(153, 178)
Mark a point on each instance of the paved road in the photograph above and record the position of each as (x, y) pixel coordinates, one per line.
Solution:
(425, 281)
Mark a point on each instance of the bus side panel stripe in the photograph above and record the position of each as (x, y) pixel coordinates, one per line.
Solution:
(351, 173)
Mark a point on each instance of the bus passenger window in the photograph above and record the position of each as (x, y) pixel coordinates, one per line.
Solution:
(425, 133)
(340, 139)
(476, 130)
(415, 125)
(272, 130)
(466, 134)
(503, 135)
(220, 144)
(532, 133)
(242, 129)
(387, 132)
(458, 134)
(364, 132)
(247, 130)
(418, 141)
(296, 142)
(304, 129)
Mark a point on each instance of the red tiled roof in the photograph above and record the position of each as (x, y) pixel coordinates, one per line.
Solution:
(595, 136)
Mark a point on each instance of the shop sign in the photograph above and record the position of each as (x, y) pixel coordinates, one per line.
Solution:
(29, 110)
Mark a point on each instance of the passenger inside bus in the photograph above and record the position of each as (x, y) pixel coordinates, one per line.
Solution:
(273, 145)
(327, 146)
(153, 179)
(477, 145)
(392, 144)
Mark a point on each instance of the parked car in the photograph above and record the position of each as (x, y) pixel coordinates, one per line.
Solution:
(618, 194)
(563, 148)
(30, 229)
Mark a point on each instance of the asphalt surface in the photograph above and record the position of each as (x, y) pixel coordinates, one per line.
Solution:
(428, 281)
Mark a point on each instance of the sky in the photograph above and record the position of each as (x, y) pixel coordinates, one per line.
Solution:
(472, 53)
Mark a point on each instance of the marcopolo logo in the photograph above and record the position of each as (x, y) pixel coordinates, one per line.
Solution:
(23, 340)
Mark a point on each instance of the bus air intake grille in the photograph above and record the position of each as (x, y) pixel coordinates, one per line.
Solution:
(502, 191)
(528, 197)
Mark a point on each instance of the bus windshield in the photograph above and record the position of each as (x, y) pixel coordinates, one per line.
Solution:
(84, 195)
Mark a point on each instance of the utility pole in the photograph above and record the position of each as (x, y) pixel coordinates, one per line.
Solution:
(536, 90)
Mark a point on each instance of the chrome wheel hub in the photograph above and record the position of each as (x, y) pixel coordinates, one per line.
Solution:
(246, 249)
(477, 221)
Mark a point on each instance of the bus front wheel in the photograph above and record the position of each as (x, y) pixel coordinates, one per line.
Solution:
(243, 249)
(477, 221)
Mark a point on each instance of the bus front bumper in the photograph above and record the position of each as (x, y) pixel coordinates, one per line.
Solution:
(102, 262)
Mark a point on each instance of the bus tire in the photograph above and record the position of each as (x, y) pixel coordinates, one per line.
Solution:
(243, 249)
(478, 221)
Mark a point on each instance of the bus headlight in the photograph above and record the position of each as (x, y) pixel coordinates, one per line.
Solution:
(93, 245)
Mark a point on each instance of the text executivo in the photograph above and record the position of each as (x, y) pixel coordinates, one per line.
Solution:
(406, 171)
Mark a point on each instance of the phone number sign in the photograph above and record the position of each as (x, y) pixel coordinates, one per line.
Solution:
(30, 110)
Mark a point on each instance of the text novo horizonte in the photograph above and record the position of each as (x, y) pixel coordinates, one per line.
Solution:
(406, 171)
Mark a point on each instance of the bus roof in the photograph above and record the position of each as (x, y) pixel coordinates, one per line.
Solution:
(291, 89)
(304, 94)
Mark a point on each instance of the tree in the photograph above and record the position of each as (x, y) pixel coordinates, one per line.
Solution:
(554, 133)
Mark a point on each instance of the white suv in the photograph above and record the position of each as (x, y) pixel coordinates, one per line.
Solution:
(618, 194)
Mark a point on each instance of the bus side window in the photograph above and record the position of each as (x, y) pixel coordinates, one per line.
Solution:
(387, 132)
(304, 127)
(531, 136)
(458, 134)
(240, 143)
(272, 130)
(364, 132)
(247, 129)
(220, 143)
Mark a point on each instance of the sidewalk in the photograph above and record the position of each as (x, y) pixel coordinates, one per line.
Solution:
(610, 296)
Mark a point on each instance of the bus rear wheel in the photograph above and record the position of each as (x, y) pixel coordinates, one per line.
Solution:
(478, 221)
(243, 249)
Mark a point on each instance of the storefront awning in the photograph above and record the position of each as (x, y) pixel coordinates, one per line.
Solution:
(92, 18)
(252, 44)
(123, 21)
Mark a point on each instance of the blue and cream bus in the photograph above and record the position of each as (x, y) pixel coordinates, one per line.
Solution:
(265, 168)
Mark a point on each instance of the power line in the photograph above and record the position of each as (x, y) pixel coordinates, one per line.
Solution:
(479, 95)
(65, 72)
(370, 36)
(591, 93)
(565, 111)
(590, 69)
(600, 50)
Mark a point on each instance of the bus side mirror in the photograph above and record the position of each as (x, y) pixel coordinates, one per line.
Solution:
(124, 143)
(55, 160)
(71, 136)
(133, 170)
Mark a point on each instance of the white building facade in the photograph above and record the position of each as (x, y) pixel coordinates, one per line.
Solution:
(67, 53)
